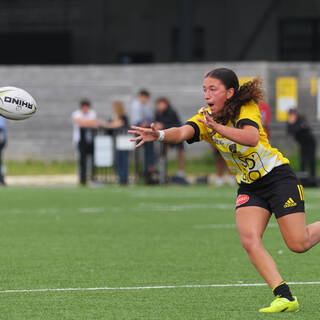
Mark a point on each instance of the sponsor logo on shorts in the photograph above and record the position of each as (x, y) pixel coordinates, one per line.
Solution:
(289, 203)
(242, 198)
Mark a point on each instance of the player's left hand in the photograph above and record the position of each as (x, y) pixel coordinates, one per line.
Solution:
(208, 120)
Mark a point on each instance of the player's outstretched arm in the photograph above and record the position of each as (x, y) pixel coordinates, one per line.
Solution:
(171, 135)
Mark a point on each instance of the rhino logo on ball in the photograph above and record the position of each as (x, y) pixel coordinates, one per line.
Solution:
(19, 103)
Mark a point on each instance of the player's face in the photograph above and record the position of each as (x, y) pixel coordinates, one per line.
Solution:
(216, 94)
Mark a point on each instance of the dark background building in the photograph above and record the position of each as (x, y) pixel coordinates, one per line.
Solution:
(144, 31)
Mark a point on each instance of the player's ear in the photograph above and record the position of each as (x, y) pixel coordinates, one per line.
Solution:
(230, 93)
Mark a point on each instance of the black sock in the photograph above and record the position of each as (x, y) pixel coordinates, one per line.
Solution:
(283, 291)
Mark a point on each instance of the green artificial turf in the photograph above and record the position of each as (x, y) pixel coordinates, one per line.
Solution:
(33, 167)
(139, 237)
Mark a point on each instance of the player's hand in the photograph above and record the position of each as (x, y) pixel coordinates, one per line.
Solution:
(158, 125)
(208, 120)
(100, 123)
(144, 134)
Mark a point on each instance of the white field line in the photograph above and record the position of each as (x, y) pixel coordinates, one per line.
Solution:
(155, 287)
(226, 226)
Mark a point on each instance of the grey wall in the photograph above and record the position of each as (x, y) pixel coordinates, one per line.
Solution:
(58, 89)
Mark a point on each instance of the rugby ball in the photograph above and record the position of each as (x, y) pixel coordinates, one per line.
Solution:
(16, 104)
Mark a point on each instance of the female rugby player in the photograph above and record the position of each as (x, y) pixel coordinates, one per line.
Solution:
(232, 123)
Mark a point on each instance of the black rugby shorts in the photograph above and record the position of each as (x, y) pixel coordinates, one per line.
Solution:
(280, 192)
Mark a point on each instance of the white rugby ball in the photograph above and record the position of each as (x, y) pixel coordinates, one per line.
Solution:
(16, 104)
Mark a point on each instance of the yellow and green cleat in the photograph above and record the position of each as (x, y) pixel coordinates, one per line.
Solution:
(282, 305)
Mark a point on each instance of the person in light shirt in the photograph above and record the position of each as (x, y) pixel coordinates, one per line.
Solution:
(141, 115)
(84, 120)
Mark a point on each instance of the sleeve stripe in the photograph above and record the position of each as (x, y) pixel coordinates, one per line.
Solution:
(196, 137)
(248, 122)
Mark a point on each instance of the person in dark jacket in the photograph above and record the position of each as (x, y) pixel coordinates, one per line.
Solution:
(166, 117)
(299, 128)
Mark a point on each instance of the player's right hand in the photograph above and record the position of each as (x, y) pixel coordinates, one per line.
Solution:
(144, 134)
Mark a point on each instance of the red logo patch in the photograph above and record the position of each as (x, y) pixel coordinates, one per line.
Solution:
(242, 198)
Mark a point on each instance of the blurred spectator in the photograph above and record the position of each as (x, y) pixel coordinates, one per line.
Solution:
(120, 124)
(265, 117)
(222, 167)
(3, 141)
(166, 117)
(141, 116)
(299, 128)
(84, 121)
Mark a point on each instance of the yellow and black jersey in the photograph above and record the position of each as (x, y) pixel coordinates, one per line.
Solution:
(248, 164)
